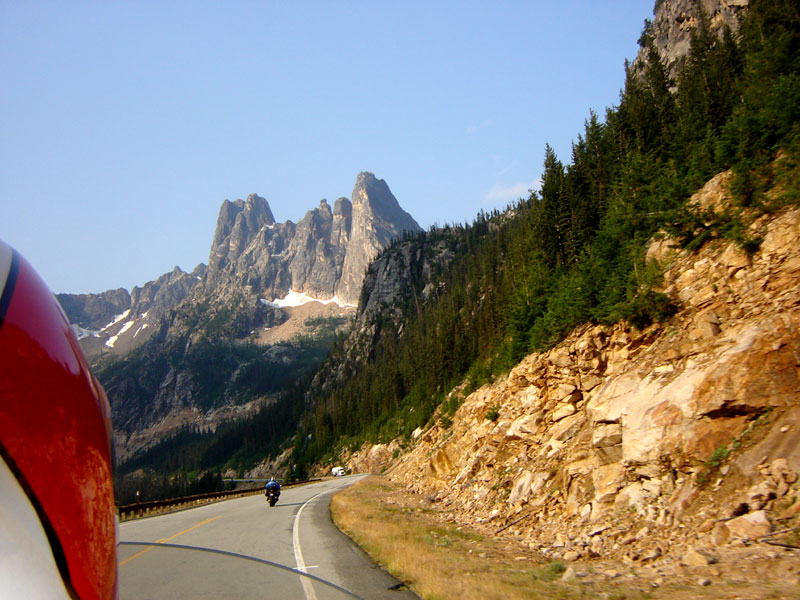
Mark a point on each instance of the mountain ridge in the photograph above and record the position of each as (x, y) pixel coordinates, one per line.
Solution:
(324, 256)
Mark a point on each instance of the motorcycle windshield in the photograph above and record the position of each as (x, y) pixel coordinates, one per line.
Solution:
(161, 570)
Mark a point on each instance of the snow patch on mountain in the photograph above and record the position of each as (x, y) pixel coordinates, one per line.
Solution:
(294, 298)
(117, 319)
(113, 339)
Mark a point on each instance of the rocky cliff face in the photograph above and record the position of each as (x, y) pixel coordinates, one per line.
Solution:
(639, 446)
(407, 271)
(324, 256)
(377, 219)
(237, 224)
(94, 311)
(675, 20)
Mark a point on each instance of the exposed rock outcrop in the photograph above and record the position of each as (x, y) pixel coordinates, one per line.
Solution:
(405, 269)
(675, 20)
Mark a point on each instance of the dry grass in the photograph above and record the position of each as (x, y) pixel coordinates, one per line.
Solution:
(413, 540)
(440, 561)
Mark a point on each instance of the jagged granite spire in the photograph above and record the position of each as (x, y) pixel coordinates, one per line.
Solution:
(377, 219)
(323, 255)
(237, 224)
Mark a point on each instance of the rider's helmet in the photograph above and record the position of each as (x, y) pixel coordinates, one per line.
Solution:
(57, 514)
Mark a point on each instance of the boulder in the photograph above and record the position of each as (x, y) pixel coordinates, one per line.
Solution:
(697, 558)
(720, 534)
(569, 575)
(563, 410)
(607, 481)
(750, 526)
(522, 487)
(524, 427)
(606, 434)
(568, 427)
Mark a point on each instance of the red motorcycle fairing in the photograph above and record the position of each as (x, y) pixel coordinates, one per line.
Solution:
(55, 431)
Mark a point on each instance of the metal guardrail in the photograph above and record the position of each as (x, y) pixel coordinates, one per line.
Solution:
(154, 507)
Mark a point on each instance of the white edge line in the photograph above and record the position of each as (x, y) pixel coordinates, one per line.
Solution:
(298, 552)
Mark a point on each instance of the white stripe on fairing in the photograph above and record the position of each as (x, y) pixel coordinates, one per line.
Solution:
(27, 569)
(5, 264)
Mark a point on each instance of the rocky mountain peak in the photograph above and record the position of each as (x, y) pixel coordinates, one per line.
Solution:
(343, 207)
(319, 218)
(342, 222)
(237, 225)
(377, 219)
(324, 255)
(374, 201)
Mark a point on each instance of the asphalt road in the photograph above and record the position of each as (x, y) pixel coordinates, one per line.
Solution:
(215, 540)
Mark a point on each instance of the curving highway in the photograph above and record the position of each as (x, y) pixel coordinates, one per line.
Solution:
(244, 549)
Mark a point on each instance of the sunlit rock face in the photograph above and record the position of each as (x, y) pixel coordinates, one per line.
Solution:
(325, 255)
(675, 20)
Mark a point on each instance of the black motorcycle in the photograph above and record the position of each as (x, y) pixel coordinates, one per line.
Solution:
(272, 495)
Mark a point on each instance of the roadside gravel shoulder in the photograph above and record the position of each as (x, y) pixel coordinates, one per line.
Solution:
(416, 541)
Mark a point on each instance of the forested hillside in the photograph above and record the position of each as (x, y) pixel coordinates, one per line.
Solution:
(472, 299)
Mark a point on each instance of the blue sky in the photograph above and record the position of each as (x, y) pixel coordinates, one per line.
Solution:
(124, 125)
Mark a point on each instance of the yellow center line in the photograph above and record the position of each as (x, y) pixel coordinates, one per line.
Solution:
(164, 540)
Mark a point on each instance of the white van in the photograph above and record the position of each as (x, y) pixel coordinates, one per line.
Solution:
(337, 471)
